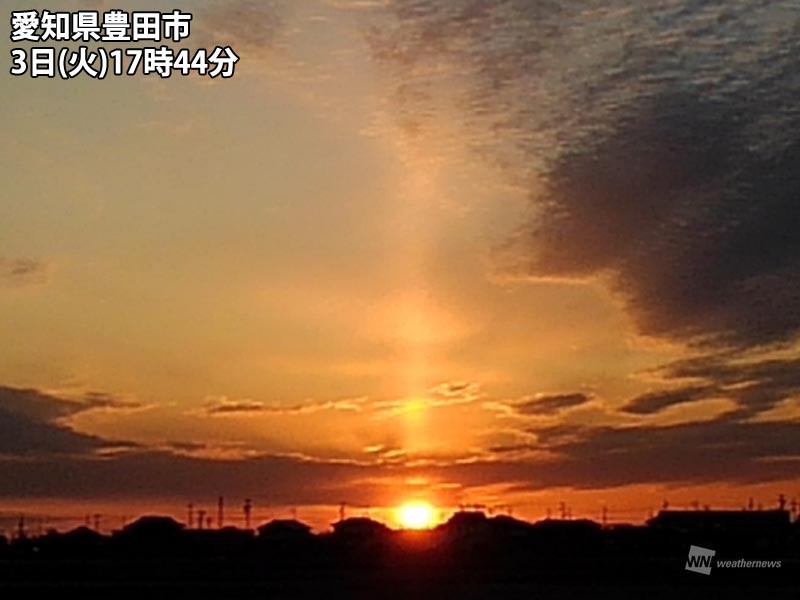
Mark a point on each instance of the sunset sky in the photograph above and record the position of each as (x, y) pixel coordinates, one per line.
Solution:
(500, 253)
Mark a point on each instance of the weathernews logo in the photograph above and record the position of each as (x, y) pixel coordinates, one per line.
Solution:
(700, 560)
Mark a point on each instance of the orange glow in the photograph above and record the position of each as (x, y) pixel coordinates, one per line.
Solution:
(416, 515)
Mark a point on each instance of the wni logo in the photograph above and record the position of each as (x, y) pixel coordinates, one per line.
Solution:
(700, 560)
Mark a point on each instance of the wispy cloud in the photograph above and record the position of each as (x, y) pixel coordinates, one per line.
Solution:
(19, 272)
(225, 406)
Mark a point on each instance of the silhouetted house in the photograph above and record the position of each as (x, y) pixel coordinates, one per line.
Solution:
(626, 538)
(360, 531)
(563, 536)
(228, 541)
(509, 528)
(151, 534)
(740, 521)
(284, 531)
(152, 526)
(80, 542)
(734, 529)
(465, 524)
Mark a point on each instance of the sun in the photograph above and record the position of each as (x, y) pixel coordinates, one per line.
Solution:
(416, 515)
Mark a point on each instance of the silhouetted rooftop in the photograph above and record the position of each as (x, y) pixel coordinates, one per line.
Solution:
(718, 519)
(153, 526)
(359, 526)
(283, 528)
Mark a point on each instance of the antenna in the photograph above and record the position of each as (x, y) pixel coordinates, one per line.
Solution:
(201, 518)
(248, 509)
(342, 508)
(220, 512)
(190, 508)
(781, 502)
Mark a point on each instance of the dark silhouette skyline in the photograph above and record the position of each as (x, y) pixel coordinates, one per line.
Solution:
(472, 553)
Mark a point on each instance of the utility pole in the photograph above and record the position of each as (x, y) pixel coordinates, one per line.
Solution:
(190, 508)
(220, 512)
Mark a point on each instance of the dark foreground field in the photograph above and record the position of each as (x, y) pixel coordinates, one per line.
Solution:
(471, 556)
(225, 578)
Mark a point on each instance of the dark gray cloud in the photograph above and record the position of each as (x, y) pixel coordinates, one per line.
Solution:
(549, 405)
(40, 406)
(664, 135)
(723, 450)
(583, 458)
(21, 436)
(150, 475)
(30, 424)
(755, 385)
(654, 402)
(36, 405)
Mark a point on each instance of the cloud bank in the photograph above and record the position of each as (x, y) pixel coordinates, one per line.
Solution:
(662, 139)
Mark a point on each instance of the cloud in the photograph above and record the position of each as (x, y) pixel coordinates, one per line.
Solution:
(662, 140)
(549, 405)
(224, 406)
(724, 450)
(106, 401)
(149, 475)
(227, 407)
(19, 272)
(22, 436)
(654, 402)
(41, 406)
(246, 24)
(659, 145)
(31, 425)
(756, 385)
(455, 392)
(60, 463)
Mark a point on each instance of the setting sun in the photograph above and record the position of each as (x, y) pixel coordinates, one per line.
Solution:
(416, 515)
